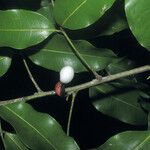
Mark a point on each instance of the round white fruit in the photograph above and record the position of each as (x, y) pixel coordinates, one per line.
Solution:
(66, 74)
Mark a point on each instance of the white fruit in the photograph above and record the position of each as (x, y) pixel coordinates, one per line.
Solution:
(66, 74)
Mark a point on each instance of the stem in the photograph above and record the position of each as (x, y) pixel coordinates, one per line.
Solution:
(70, 112)
(27, 98)
(31, 76)
(79, 56)
(83, 86)
(109, 78)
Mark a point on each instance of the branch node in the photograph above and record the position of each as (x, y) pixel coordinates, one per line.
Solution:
(98, 77)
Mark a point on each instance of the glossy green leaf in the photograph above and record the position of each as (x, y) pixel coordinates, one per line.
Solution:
(57, 54)
(138, 16)
(119, 102)
(120, 65)
(5, 63)
(116, 21)
(145, 100)
(12, 142)
(78, 14)
(130, 140)
(47, 11)
(37, 130)
(115, 26)
(22, 28)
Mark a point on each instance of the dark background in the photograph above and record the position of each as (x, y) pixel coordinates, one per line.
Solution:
(89, 127)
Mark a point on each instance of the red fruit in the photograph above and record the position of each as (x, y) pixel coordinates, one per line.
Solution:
(59, 89)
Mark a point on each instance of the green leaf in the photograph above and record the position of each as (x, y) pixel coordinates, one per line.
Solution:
(36, 130)
(116, 21)
(22, 28)
(145, 101)
(120, 65)
(130, 140)
(118, 101)
(145, 94)
(138, 16)
(115, 26)
(47, 11)
(57, 54)
(12, 142)
(5, 63)
(78, 14)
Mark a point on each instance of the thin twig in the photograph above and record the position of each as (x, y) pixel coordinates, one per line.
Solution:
(27, 98)
(109, 78)
(83, 86)
(31, 76)
(70, 112)
(79, 56)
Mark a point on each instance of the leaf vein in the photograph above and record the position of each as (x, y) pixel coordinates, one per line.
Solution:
(69, 53)
(117, 99)
(141, 143)
(73, 12)
(31, 127)
(14, 142)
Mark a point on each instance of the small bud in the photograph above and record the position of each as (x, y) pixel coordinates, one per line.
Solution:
(66, 74)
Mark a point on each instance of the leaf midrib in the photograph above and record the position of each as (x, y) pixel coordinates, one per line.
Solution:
(32, 127)
(69, 53)
(14, 142)
(119, 99)
(141, 143)
(73, 12)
